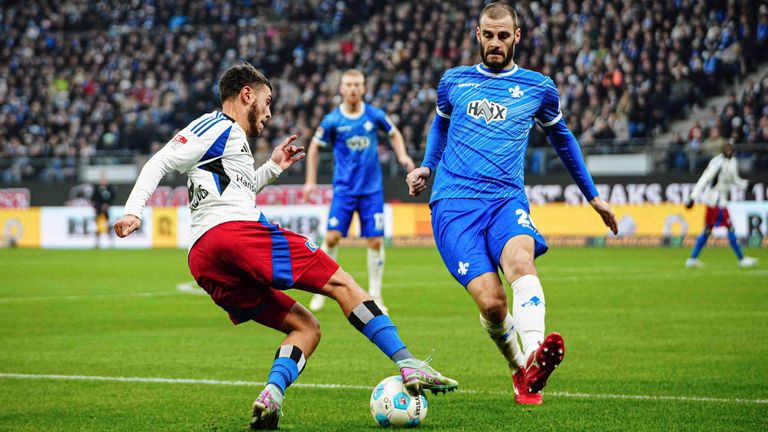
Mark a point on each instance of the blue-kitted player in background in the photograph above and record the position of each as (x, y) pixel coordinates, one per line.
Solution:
(480, 213)
(352, 129)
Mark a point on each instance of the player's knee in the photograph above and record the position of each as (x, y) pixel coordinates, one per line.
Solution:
(493, 307)
(341, 285)
(495, 312)
(521, 263)
(332, 238)
(374, 243)
(313, 329)
(309, 326)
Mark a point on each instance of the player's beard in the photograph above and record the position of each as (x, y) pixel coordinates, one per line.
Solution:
(497, 65)
(253, 123)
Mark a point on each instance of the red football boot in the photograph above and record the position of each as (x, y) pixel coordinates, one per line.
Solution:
(543, 362)
(522, 396)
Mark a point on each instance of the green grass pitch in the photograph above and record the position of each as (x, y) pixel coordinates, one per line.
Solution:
(650, 346)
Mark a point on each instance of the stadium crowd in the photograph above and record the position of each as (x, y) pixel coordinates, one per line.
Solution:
(80, 79)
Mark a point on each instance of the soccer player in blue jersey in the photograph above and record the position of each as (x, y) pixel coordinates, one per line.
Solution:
(352, 130)
(480, 213)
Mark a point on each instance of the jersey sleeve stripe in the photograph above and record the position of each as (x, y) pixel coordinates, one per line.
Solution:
(207, 128)
(442, 114)
(203, 124)
(550, 123)
(199, 122)
(217, 148)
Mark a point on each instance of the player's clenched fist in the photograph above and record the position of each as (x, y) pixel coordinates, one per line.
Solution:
(127, 225)
(417, 180)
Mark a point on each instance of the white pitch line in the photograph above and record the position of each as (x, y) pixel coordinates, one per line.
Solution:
(190, 288)
(84, 297)
(360, 387)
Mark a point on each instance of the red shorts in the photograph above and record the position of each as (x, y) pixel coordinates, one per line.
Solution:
(244, 266)
(717, 216)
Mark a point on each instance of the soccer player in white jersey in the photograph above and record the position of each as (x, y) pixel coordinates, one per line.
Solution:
(242, 260)
(352, 129)
(480, 213)
(713, 189)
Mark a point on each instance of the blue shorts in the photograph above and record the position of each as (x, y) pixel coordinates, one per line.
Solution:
(471, 233)
(369, 207)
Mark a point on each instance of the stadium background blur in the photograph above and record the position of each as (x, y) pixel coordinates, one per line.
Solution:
(651, 89)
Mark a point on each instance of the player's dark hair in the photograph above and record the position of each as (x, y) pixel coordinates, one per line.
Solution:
(499, 10)
(235, 78)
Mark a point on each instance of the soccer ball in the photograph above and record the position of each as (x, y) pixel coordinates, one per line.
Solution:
(392, 405)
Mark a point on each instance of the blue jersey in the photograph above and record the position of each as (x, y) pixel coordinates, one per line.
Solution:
(491, 115)
(355, 148)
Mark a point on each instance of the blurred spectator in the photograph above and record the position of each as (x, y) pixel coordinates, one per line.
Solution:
(86, 78)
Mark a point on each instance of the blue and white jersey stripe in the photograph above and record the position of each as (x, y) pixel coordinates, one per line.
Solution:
(207, 123)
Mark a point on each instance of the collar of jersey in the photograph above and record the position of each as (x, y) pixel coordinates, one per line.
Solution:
(488, 72)
(352, 117)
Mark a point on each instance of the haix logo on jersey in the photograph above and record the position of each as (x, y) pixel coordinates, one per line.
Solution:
(515, 92)
(490, 111)
(358, 142)
(344, 128)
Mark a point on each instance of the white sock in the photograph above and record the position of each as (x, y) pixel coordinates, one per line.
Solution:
(331, 251)
(375, 271)
(505, 338)
(529, 309)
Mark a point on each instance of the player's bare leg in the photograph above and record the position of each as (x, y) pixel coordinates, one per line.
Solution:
(543, 354)
(376, 270)
(491, 300)
(303, 335)
(363, 313)
(330, 243)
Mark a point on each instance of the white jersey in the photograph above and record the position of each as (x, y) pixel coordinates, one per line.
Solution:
(214, 152)
(714, 186)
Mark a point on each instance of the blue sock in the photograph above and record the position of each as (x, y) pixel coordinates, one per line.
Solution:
(700, 242)
(288, 364)
(369, 320)
(735, 244)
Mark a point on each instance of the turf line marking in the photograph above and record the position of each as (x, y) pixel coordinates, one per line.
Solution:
(360, 387)
(190, 288)
(84, 297)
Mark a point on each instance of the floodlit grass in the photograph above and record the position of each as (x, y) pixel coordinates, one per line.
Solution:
(635, 322)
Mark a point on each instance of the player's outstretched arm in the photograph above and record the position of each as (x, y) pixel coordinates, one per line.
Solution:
(127, 225)
(310, 181)
(604, 210)
(398, 145)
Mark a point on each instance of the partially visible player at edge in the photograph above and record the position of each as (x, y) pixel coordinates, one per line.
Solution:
(713, 189)
(352, 129)
(480, 213)
(242, 260)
